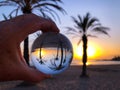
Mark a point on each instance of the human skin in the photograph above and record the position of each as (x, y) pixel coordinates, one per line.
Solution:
(12, 33)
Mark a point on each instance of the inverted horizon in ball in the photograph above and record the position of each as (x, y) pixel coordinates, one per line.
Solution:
(51, 53)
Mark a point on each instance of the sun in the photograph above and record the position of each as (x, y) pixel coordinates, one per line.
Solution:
(91, 51)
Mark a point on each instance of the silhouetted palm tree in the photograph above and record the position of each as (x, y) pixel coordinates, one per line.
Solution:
(84, 28)
(44, 7)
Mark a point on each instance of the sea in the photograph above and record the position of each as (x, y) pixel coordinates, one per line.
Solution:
(96, 62)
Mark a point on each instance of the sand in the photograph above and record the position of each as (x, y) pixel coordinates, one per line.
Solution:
(101, 77)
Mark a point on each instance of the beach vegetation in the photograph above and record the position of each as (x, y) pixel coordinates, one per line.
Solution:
(85, 27)
(116, 58)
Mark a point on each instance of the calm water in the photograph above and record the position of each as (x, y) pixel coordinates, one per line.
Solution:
(96, 62)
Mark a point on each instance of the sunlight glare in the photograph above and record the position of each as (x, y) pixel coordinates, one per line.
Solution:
(37, 52)
(91, 51)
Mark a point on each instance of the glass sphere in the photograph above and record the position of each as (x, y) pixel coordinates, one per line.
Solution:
(51, 53)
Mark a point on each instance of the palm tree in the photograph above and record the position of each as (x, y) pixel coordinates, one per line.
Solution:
(84, 28)
(44, 7)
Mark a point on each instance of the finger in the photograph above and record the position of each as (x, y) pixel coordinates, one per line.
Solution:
(26, 24)
(49, 26)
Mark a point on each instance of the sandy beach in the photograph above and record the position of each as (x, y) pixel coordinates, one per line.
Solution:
(101, 77)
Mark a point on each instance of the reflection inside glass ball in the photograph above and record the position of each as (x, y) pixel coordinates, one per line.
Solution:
(51, 53)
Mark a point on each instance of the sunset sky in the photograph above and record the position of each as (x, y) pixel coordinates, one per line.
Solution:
(107, 11)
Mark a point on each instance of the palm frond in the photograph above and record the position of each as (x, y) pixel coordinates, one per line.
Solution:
(5, 17)
(16, 1)
(44, 13)
(41, 11)
(55, 1)
(77, 22)
(4, 2)
(80, 19)
(101, 29)
(10, 16)
(78, 28)
(91, 22)
(95, 25)
(51, 0)
(73, 32)
(69, 29)
(8, 3)
(14, 11)
(53, 13)
(94, 36)
(48, 6)
(79, 41)
(51, 5)
(46, 10)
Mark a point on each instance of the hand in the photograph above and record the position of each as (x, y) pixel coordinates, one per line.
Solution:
(12, 32)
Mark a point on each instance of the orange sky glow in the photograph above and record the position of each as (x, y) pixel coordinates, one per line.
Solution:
(96, 50)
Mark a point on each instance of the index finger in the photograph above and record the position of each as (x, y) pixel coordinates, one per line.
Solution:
(26, 24)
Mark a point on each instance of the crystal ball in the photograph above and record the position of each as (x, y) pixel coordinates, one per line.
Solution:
(51, 53)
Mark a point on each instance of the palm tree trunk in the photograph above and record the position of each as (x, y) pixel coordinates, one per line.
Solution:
(26, 50)
(61, 61)
(84, 58)
(26, 10)
(57, 53)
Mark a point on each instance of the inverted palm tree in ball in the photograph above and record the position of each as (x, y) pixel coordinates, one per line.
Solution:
(51, 53)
